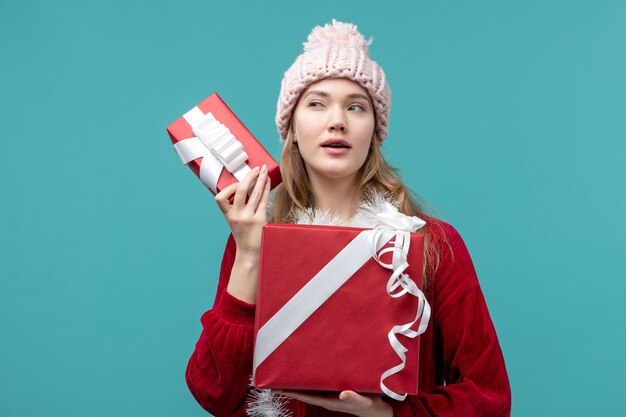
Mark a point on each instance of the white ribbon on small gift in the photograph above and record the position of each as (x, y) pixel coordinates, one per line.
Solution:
(217, 146)
(335, 273)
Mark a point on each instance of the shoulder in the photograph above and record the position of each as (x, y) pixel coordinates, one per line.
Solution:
(442, 233)
(448, 253)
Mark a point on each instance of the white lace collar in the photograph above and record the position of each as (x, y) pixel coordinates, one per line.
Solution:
(373, 203)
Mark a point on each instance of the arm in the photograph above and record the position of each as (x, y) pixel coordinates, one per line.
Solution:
(467, 352)
(218, 372)
(219, 369)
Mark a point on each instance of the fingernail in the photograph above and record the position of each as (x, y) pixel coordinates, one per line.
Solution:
(257, 168)
(264, 169)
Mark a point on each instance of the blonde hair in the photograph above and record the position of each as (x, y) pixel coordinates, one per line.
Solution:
(295, 192)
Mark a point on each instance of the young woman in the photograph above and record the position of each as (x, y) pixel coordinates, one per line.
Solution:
(332, 114)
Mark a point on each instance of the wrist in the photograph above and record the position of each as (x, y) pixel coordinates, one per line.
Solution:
(247, 257)
(244, 277)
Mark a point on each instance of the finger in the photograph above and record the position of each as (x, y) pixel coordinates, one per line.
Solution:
(244, 186)
(259, 187)
(318, 400)
(355, 399)
(223, 196)
(265, 197)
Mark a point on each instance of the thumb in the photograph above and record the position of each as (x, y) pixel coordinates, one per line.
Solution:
(355, 399)
(223, 196)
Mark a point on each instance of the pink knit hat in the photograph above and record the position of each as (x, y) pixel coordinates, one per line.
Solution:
(336, 50)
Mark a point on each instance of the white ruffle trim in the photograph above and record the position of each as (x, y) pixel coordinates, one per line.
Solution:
(373, 203)
(265, 403)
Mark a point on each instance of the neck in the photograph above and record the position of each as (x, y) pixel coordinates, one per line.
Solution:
(337, 196)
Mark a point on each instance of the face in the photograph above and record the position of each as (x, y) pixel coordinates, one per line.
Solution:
(334, 123)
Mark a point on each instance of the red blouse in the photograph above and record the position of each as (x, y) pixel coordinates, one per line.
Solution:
(462, 370)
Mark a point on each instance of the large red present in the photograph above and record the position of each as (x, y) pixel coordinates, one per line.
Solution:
(217, 146)
(324, 314)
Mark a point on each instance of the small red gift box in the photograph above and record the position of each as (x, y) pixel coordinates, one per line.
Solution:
(217, 147)
(323, 313)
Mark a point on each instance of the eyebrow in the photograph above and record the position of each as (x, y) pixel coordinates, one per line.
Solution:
(324, 94)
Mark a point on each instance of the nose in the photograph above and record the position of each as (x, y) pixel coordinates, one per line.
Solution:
(337, 122)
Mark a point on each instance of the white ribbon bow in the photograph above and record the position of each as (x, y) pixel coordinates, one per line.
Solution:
(403, 225)
(217, 146)
(393, 219)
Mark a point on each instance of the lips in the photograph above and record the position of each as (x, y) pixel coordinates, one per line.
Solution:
(336, 143)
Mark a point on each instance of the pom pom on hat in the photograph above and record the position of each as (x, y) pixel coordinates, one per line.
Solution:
(335, 50)
(337, 33)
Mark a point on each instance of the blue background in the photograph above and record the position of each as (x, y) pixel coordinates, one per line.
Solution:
(508, 118)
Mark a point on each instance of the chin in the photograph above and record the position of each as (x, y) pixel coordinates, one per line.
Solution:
(337, 173)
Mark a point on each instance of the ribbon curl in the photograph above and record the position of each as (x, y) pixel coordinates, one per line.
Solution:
(390, 219)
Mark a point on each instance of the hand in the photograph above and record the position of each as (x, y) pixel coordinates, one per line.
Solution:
(347, 402)
(246, 219)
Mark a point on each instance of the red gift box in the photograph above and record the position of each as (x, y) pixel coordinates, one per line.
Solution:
(217, 146)
(305, 341)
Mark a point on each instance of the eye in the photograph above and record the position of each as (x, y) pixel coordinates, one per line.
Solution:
(315, 104)
(357, 106)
